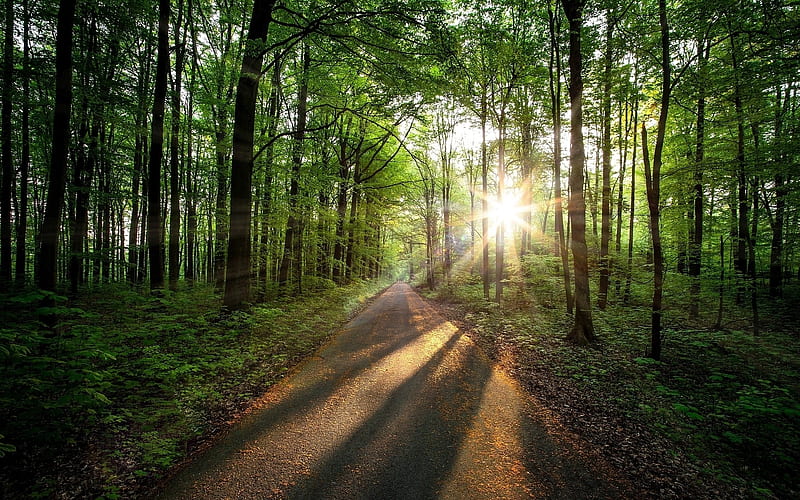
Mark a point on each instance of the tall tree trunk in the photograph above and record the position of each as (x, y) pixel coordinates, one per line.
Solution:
(653, 181)
(484, 197)
(605, 214)
(51, 225)
(174, 156)
(781, 191)
(155, 239)
(582, 331)
(751, 249)
(269, 160)
(740, 262)
(237, 276)
(191, 176)
(289, 269)
(555, 112)
(635, 120)
(499, 265)
(22, 218)
(8, 167)
(696, 239)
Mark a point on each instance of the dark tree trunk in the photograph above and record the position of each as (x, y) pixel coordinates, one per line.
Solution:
(289, 269)
(221, 211)
(237, 277)
(629, 261)
(555, 112)
(190, 272)
(8, 167)
(696, 233)
(174, 156)
(582, 331)
(51, 225)
(155, 236)
(605, 211)
(499, 265)
(484, 197)
(269, 167)
(781, 191)
(653, 181)
(740, 262)
(22, 219)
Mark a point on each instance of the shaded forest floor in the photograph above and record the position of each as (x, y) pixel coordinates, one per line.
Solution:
(718, 417)
(127, 385)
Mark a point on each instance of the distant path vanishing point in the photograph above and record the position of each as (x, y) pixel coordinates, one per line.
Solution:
(400, 404)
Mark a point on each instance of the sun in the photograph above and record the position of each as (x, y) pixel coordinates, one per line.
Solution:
(507, 211)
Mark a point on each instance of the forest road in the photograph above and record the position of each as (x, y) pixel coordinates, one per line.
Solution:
(400, 404)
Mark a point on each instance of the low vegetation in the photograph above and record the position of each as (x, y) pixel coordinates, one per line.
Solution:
(122, 385)
(719, 415)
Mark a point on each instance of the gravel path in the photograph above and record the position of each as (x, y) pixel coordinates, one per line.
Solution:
(401, 404)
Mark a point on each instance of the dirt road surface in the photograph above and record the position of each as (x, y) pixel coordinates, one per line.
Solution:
(400, 404)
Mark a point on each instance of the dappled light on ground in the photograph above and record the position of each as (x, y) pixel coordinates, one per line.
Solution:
(401, 404)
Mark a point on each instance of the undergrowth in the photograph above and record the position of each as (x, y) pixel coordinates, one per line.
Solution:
(725, 398)
(101, 394)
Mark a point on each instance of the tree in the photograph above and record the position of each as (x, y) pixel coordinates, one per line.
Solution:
(582, 331)
(7, 178)
(155, 230)
(554, 73)
(51, 224)
(237, 279)
(24, 168)
(290, 262)
(174, 161)
(653, 182)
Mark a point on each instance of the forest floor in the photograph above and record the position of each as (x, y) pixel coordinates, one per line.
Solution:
(718, 417)
(400, 404)
(126, 385)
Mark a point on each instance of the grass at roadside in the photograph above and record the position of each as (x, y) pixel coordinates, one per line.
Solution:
(719, 416)
(126, 385)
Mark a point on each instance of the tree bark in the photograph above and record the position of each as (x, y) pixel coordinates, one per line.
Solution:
(555, 112)
(22, 218)
(696, 234)
(51, 225)
(653, 181)
(174, 156)
(582, 331)
(155, 229)
(8, 167)
(605, 213)
(237, 276)
(289, 269)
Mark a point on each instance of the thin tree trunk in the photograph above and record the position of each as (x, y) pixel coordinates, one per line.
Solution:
(237, 277)
(605, 230)
(653, 181)
(555, 111)
(174, 156)
(190, 272)
(8, 167)
(22, 219)
(696, 240)
(290, 263)
(499, 265)
(629, 265)
(484, 198)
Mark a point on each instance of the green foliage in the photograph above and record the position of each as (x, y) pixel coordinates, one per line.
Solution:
(143, 376)
(726, 399)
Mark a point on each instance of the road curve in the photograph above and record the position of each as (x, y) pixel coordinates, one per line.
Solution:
(400, 404)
